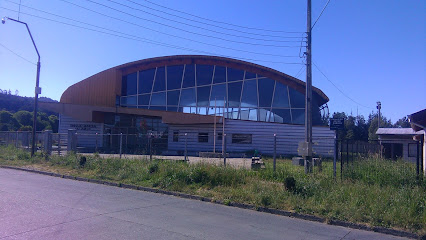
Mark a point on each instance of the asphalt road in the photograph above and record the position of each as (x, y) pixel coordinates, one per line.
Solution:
(34, 206)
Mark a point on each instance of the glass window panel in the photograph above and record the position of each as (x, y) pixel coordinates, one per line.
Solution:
(172, 109)
(158, 99)
(235, 74)
(219, 74)
(250, 75)
(146, 78)
(253, 114)
(160, 80)
(204, 74)
(174, 77)
(189, 76)
(244, 114)
(123, 101)
(132, 100)
(173, 98)
(144, 99)
(234, 94)
(266, 88)
(233, 113)
(218, 93)
(188, 109)
(145, 107)
(298, 116)
(263, 115)
(157, 108)
(187, 97)
(280, 96)
(281, 115)
(297, 99)
(203, 94)
(249, 98)
(202, 110)
(129, 84)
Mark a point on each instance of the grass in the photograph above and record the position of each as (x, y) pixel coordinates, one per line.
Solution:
(373, 191)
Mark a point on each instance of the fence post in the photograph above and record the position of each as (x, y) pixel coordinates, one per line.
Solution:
(224, 149)
(275, 152)
(418, 160)
(96, 142)
(150, 147)
(47, 141)
(121, 143)
(347, 151)
(336, 148)
(59, 144)
(341, 160)
(16, 141)
(72, 140)
(186, 143)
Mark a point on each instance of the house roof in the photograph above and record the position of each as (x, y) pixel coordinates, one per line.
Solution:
(418, 120)
(398, 131)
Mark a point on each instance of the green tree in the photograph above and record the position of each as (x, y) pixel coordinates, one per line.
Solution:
(25, 118)
(373, 125)
(402, 123)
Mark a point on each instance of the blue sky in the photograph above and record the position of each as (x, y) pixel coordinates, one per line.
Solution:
(370, 50)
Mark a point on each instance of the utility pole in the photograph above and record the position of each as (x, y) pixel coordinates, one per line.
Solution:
(379, 106)
(37, 88)
(308, 95)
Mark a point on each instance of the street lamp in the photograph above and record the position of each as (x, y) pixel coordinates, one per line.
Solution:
(37, 88)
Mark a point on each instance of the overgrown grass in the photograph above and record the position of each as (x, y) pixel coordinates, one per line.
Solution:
(373, 191)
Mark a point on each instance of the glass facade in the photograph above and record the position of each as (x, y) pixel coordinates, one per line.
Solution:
(210, 89)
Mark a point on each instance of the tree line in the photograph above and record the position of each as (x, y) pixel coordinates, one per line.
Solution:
(360, 129)
(16, 113)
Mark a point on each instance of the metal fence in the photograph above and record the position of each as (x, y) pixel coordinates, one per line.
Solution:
(181, 145)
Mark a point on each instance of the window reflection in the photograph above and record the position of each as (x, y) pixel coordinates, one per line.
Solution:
(245, 96)
(160, 80)
(174, 77)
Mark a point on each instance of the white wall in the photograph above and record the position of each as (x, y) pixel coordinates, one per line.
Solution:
(86, 131)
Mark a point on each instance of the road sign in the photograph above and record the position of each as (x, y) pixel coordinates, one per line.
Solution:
(337, 123)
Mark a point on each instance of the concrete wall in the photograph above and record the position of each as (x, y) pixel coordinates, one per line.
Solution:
(288, 138)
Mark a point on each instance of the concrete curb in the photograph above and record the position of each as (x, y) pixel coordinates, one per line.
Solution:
(383, 230)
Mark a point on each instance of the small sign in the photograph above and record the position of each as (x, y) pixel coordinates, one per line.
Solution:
(337, 123)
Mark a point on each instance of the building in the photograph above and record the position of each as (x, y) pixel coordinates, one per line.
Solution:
(399, 143)
(180, 99)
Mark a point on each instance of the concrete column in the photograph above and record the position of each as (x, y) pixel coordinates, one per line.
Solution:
(72, 140)
(47, 143)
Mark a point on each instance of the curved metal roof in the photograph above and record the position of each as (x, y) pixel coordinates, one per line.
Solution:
(101, 88)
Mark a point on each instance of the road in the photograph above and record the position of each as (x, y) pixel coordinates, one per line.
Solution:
(34, 206)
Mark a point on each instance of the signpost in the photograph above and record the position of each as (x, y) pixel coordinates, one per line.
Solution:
(336, 124)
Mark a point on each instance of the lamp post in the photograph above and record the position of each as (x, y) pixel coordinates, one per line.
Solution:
(37, 88)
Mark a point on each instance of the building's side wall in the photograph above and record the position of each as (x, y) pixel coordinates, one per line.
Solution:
(100, 89)
(86, 131)
(288, 138)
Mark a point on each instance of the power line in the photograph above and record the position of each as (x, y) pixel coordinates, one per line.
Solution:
(344, 94)
(209, 24)
(225, 23)
(16, 54)
(320, 14)
(203, 28)
(300, 71)
(181, 29)
(140, 39)
(192, 40)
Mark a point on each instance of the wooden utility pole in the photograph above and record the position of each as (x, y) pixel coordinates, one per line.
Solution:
(308, 95)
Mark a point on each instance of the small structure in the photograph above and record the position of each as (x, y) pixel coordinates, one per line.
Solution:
(399, 143)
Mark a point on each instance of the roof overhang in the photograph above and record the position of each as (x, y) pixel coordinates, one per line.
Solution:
(96, 113)
(418, 120)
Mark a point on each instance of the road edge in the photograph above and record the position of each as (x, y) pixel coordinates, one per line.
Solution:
(389, 231)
